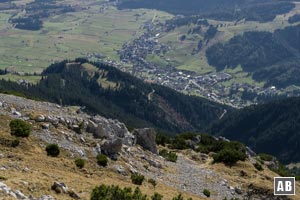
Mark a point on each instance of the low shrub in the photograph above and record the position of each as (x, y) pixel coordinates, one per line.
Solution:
(137, 179)
(52, 150)
(170, 156)
(229, 156)
(19, 128)
(206, 192)
(179, 197)
(152, 182)
(15, 143)
(258, 166)
(162, 139)
(265, 157)
(157, 196)
(114, 192)
(102, 160)
(79, 162)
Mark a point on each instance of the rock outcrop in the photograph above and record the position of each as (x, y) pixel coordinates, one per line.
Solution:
(146, 138)
(111, 148)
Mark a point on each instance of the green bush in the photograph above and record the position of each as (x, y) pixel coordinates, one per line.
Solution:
(19, 128)
(162, 139)
(15, 143)
(52, 150)
(229, 156)
(102, 160)
(137, 179)
(179, 197)
(157, 196)
(79, 162)
(152, 182)
(206, 192)
(170, 156)
(265, 157)
(164, 153)
(258, 166)
(115, 193)
(179, 142)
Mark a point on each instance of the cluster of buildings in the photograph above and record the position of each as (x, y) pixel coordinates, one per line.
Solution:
(216, 86)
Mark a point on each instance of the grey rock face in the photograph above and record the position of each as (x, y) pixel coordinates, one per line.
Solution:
(146, 138)
(120, 169)
(111, 148)
(97, 130)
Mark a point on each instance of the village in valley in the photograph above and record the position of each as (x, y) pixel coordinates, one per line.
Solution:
(145, 56)
(211, 85)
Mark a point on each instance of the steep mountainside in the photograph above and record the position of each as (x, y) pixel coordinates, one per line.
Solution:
(272, 128)
(28, 173)
(263, 11)
(271, 57)
(107, 91)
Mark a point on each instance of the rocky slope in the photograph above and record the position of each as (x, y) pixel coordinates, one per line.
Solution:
(26, 172)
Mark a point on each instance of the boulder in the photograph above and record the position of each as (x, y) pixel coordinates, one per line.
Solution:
(40, 118)
(20, 195)
(52, 120)
(18, 114)
(45, 126)
(154, 163)
(96, 130)
(59, 187)
(146, 138)
(120, 169)
(111, 148)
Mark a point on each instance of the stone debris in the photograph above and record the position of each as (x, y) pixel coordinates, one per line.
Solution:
(82, 134)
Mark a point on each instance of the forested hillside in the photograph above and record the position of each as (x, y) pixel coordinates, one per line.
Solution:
(263, 10)
(107, 91)
(271, 57)
(272, 128)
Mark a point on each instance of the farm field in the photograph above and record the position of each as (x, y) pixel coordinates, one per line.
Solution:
(182, 56)
(91, 30)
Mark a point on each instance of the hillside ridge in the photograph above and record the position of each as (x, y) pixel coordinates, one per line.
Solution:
(28, 171)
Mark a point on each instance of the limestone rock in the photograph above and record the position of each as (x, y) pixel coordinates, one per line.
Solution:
(40, 118)
(146, 138)
(20, 195)
(120, 169)
(111, 148)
